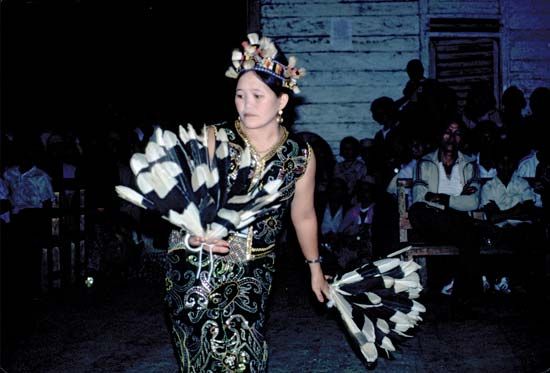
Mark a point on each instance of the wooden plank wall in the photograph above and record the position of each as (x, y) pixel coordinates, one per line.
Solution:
(342, 82)
(528, 27)
(464, 8)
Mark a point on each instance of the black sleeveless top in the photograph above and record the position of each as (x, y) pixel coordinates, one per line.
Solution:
(287, 161)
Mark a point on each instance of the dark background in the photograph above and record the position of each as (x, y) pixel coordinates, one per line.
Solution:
(89, 63)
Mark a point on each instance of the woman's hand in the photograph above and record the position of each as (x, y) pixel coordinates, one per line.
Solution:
(319, 283)
(217, 246)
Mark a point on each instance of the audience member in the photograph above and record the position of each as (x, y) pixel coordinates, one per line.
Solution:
(31, 194)
(332, 214)
(536, 123)
(426, 103)
(542, 187)
(335, 208)
(416, 87)
(481, 105)
(445, 189)
(356, 247)
(325, 167)
(387, 149)
(513, 122)
(351, 168)
(5, 205)
(30, 186)
(415, 150)
(486, 141)
(508, 203)
(527, 168)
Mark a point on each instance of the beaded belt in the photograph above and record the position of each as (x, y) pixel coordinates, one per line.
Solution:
(240, 246)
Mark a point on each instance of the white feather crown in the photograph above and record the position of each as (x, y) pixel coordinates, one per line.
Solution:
(258, 54)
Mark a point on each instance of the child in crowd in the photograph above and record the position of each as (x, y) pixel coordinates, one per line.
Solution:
(351, 166)
(337, 203)
(356, 226)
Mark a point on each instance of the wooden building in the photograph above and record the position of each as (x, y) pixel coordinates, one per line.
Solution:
(357, 50)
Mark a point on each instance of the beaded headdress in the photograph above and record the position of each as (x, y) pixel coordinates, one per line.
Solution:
(258, 54)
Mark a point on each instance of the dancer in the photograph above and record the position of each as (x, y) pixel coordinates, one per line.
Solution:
(229, 189)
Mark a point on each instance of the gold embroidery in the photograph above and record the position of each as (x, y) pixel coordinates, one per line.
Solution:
(274, 148)
(241, 248)
(308, 159)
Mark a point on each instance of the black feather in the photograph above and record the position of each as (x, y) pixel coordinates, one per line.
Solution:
(375, 302)
(176, 178)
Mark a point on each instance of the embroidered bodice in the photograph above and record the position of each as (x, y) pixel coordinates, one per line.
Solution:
(287, 160)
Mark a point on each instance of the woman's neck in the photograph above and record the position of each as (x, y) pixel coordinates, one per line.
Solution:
(264, 138)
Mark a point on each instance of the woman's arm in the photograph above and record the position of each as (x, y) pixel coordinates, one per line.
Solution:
(304, 220)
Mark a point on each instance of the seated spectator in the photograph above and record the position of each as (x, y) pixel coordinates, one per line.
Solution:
(507, 198)
(362, 211)
(332, 214)
(486, 141)
(62, 161)
(415, 149)
(31, 193)
(356, 226)
(335, 208)
(508, 203)
(528, 166)
(5, 205)
(351, 167)
(445, 189)
(31, 187)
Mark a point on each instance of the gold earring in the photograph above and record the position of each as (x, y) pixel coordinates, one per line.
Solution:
(280, 116)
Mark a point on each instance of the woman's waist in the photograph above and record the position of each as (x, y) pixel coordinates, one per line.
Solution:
(245, 248)
(242, 246)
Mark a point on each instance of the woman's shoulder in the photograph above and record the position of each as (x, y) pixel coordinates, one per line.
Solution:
(298, 144)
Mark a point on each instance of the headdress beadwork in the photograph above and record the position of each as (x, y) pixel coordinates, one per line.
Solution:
(258, 54)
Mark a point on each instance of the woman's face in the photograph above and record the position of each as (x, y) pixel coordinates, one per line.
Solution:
(256, 103)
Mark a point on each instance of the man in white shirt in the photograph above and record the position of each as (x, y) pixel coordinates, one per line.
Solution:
(527, 168)
(445, 189)
(509, 205)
